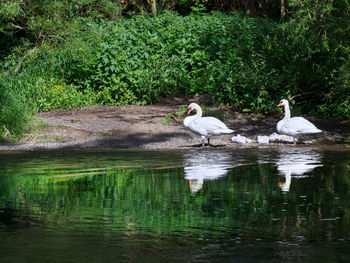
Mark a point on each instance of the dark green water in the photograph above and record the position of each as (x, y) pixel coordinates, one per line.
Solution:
(289, 204)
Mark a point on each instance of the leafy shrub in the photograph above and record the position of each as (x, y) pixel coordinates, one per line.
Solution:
(249, 63)
(13, 112)
(141, 59)
(56, 94)
(320, 40)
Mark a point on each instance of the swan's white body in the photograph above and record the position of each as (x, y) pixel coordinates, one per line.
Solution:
(206, 127)
(294, 126)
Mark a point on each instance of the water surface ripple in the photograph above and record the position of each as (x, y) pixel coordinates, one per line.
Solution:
(286, 204)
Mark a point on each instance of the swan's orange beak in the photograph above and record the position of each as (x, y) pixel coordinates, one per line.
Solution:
(189, 111)
(280, 104)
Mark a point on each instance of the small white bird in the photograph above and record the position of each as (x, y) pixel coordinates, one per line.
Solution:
(294, 126)
(206, 127)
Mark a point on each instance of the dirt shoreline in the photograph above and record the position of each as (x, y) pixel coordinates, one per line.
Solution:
(143, 127)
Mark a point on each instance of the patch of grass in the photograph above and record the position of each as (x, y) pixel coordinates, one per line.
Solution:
(34, 128)
(182, 109)
(59, 138)
(173, 117)
(104, 134)
(167, 119)
(38, 125)
(13, 112)
(38, 138)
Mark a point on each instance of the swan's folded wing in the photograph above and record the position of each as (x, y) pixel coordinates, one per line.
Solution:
(210, 125)
(213, 123)
(198, 126)
(300, 125)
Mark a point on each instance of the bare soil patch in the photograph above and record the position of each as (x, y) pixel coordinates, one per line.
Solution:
(143, 127)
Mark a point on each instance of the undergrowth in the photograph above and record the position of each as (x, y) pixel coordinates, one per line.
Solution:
(248, 63)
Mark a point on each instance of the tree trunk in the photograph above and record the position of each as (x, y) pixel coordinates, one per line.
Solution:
(283, 8)
(154, 7)
(251, 8)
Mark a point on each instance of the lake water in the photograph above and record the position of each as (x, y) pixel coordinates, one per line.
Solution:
(284, 204)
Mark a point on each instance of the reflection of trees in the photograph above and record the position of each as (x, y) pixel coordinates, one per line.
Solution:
(313, 200)
(205, 165)
(245, 199)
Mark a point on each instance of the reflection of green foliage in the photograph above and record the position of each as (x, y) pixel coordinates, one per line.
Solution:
(106, 193)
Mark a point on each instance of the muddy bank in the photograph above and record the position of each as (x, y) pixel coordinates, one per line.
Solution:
(157, 126)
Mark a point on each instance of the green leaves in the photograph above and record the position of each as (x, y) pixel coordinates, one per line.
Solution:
(13, 112)
(249, 63)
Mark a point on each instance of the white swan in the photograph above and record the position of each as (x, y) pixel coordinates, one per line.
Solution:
(294, 126)
(206, 127)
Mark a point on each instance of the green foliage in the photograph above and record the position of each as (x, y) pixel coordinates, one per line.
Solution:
(9, 10)
(141, 59)
(217, 113)
(68, 54)
(319, 37)
(46, 17)
(173, 116)
(13, 113)
(149, 6)
(56, 94)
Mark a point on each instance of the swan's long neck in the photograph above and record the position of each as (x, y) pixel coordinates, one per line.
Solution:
(188, 119)
(198, 112)
(286, 112)
(287, 183)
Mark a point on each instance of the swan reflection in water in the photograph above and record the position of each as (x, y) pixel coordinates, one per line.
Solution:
(296, 162)
(205, 165)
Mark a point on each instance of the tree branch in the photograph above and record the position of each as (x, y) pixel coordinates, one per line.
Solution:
(22, 60)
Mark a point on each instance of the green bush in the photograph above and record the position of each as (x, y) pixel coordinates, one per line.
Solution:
(56, 94)
(249, 63)
(13, 112)
(141, 59)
